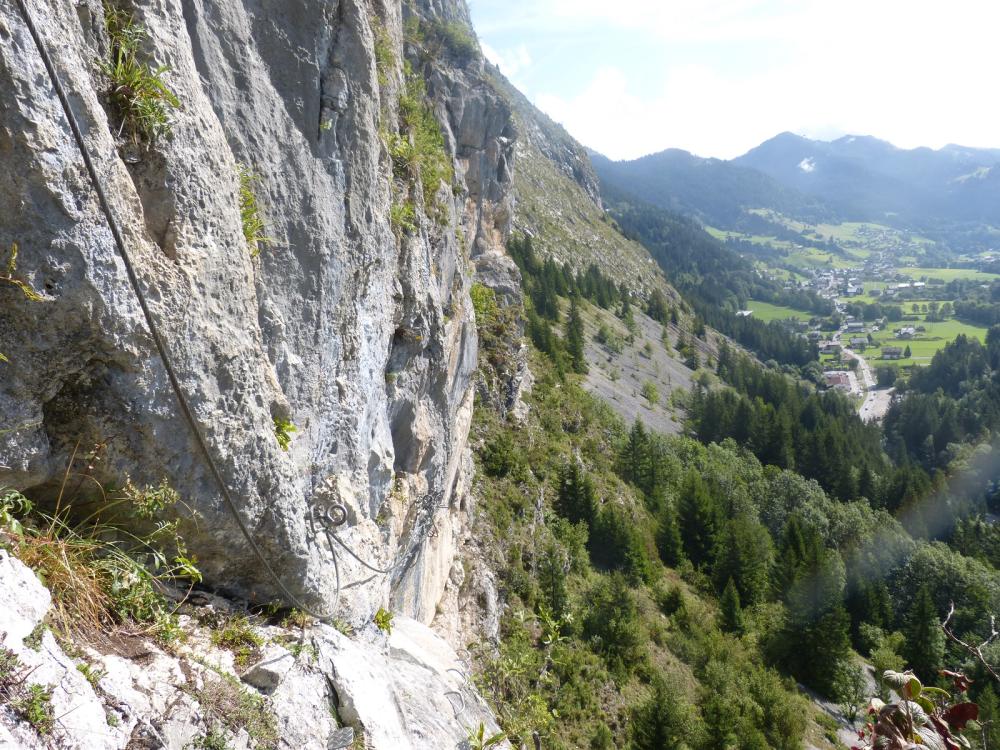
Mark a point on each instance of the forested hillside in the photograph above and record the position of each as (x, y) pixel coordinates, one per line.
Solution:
(671, 592)
(714, 279)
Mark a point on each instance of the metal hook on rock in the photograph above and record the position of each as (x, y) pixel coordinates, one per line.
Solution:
(458, 712)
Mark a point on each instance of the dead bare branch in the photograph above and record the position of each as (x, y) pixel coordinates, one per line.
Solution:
(975, 651)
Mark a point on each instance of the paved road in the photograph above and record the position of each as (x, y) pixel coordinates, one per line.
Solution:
(876, 403)
(867, 376)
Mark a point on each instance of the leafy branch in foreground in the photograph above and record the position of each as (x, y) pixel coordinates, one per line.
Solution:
(928, 717)
(479, 741)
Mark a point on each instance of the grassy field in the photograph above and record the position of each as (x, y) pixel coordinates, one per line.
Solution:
(810, 257)
(756, 239)
(768, 312)
(923, 347)
(948, 274)
(780, 273)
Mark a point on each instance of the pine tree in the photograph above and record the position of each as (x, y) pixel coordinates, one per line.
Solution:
(989, 716)
(664, 721)
(876, 604)
(698, 517)
(692, 361)
(636, 458)
(617, 544)
(924, 645)
(799, 541)
(731, 616)
(574, 338)
(552, 569)
(907, 352)
(668, 537)
(815, 638)
(577, 500)
(744, 557)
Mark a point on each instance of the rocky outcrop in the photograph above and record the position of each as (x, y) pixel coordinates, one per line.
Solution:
(311, 689)
(362, 337)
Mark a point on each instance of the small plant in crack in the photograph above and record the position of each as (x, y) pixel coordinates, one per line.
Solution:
(7, 277)
(238, 635)
(250, 213)
(138, 94)
(283, 429)
(383, 620)
(35, 707)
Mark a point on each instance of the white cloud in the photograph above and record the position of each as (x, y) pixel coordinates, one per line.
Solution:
(915, 73)
(511, 61)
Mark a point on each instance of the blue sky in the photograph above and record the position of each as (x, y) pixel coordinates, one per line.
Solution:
(717, 77)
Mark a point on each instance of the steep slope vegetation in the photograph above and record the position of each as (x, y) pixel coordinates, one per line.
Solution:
(557, 204)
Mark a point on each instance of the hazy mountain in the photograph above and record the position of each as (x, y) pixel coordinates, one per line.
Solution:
(862, 177)
(716, 191)
(951, 194)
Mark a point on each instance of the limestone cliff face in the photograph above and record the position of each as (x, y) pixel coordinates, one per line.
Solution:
(360, 335)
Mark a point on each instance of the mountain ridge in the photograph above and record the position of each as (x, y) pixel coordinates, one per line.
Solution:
(951, 194)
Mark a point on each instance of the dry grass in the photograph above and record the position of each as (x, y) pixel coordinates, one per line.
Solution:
(102, 576)
(66, 567)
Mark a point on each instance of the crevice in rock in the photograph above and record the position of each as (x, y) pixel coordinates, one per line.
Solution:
(152, 182)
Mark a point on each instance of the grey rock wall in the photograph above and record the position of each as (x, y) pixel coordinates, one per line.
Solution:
(405, 691)
(366, 341)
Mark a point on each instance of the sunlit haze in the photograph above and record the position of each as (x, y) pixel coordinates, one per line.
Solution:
(717, 77)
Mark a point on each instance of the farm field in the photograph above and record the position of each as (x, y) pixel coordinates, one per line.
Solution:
(948, 274)
(922, 347)
(757, 239)
(811, 257)
(768, 312)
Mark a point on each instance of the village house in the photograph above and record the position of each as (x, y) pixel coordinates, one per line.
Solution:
(892, 352)
(836, 379)
(859, 342)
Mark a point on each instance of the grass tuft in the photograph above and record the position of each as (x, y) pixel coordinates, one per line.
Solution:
(417, 153)
(236, 708)
(250, 214)
(100, 574)
(138, 94)
(238, 636)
